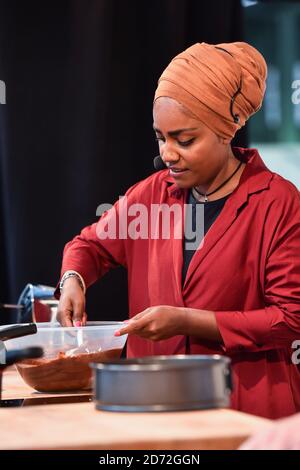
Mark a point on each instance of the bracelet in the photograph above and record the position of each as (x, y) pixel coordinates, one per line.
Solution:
(69, 274)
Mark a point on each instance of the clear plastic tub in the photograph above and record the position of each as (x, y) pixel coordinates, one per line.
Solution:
(68, 351)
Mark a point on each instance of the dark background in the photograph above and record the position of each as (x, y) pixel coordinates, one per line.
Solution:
(76, 129)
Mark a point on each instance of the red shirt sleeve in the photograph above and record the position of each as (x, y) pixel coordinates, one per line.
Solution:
(278, 323)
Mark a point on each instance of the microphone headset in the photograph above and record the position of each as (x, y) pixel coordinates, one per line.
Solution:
(159, 163)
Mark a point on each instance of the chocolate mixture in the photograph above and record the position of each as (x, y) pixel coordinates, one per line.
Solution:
(63, 373)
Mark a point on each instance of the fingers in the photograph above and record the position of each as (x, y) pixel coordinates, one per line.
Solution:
(64, 317)
(133, 326)
(71, 312)
(140, 315)
(78, 313)
(84, 319)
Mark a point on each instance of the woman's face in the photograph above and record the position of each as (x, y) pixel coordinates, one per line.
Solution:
(194, 153)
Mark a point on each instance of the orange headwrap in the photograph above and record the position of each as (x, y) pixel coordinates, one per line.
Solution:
(217, 82)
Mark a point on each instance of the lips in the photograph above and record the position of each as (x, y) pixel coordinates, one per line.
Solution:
(177, 171)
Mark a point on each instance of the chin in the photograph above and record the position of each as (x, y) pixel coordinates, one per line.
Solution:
(187, 180)
(184, 184)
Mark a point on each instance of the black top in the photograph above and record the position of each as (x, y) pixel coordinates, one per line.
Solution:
(211, 211)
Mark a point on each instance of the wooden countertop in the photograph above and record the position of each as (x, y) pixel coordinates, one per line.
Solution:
(13, 386)
(81, 426)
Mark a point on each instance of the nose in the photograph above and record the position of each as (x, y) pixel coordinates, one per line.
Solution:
(169, 156)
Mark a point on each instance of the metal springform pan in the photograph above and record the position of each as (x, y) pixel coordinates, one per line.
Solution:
(163, 383)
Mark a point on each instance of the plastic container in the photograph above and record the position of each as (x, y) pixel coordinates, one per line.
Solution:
(68, 351)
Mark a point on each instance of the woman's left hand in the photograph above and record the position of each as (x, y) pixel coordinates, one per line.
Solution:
(157, 323)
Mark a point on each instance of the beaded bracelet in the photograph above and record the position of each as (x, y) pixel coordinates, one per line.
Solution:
(69, 274)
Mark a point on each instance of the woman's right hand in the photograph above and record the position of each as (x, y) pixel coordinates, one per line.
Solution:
(71, 307)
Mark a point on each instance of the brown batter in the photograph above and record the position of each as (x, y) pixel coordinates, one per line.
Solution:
(63, 373)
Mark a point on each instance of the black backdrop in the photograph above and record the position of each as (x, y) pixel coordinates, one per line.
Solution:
(76, 129)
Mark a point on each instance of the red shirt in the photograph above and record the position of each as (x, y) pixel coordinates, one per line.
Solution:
(247, 271)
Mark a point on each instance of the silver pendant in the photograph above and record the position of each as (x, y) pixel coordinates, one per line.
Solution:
(205, 198)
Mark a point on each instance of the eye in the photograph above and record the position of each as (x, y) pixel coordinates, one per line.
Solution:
(186, 143)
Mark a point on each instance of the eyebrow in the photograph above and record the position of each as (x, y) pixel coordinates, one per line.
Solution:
(177, 131)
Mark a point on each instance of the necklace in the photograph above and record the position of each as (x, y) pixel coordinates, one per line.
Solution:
(205, 195)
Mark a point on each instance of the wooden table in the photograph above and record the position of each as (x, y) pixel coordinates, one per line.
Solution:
(14, 387)
(80, 426)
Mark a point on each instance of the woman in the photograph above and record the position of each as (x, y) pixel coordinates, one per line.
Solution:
(237, 290)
